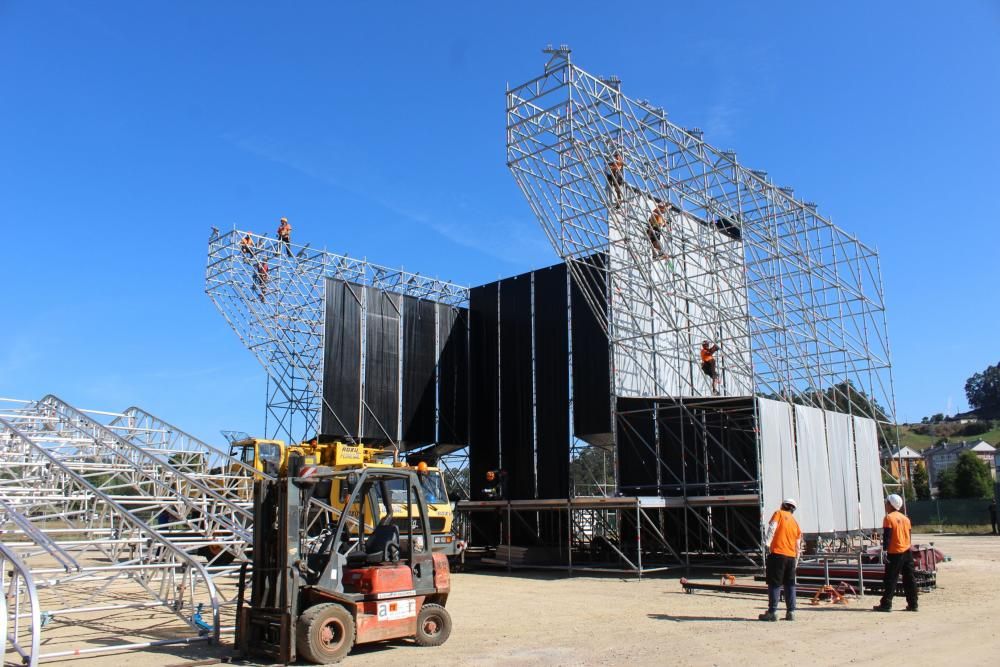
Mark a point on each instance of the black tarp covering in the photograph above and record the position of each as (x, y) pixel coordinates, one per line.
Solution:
(418, 371)
(637, 455)
(342, 359)
(591, 361)
(453, 375)
(380, 417)
(484, 440)
(709, 446)
(552, 382)
(516, 427)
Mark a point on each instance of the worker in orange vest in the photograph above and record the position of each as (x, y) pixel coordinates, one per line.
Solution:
(784, 540)
(899, 560)
(655, 227)
(247, 246)
(285, 235)
(708, 365)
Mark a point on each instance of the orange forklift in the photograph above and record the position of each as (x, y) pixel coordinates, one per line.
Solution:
(325, 579)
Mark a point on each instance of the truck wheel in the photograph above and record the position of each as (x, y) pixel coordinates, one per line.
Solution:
(433, 625)
(325, 633)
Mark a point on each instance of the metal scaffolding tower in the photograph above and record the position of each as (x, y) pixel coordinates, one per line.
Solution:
(673, 242)
(795, 303)
(278, 313)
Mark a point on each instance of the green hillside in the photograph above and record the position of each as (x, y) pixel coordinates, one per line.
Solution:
(922, 436)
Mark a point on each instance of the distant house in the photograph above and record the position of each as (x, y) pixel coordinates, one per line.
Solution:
(903, 463)
(942, 456)
(964, 417)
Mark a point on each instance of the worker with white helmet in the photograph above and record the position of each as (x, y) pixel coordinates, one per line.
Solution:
(898, 559)
(784, 540)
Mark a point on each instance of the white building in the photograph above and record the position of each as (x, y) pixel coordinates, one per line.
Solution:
(942, 456)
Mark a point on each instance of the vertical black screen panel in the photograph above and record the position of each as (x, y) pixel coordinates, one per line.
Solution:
(552, 382)
(637, 450)
(420, 355)
(591, 361)
(484, 437)
(342, 360)
(484, 442)
(380, 417)
(453, 372)
(516, 426)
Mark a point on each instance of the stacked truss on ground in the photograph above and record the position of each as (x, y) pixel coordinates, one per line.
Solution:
(117, 514)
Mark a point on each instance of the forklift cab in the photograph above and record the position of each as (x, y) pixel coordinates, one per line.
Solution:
(366, 534)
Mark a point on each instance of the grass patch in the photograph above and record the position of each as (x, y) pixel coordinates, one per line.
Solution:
(956, 529)
(919, 441)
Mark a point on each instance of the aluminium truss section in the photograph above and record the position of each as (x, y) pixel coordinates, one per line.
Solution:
(76, 551)
(278, 314)
(795, 303)
(205, 514)
(227, 476)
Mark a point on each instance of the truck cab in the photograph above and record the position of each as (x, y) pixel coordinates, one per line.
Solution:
(271, 457)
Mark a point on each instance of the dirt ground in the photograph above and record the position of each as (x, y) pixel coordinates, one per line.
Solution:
(543, 619)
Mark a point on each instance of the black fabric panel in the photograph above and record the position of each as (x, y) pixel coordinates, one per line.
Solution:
(484, 401)
(342, 360)
(673, 462)
(380, 417)
(552, 382)
(516, 427)
(637, 455)
(418, 371)
(732, 456)
(484, 438)
(453, 382)
(591, 361)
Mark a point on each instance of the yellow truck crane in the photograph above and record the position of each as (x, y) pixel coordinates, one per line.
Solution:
(271, 457)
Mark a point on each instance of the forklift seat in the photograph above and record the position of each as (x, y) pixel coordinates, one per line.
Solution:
(382, 546)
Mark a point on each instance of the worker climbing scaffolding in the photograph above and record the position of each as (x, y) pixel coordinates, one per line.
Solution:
(708, 364)
(247, 246)
(260, 278)
(615, 174)
(656, 229)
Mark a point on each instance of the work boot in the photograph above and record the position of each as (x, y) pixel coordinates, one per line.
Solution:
(789, 615)
(880, 607)
(911, 607)
(767, 616)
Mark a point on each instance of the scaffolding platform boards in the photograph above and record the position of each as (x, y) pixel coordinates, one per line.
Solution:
(605, 534)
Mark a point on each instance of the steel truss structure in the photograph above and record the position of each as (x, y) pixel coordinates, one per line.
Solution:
(280, 318)
(795, 304)
(114, 513)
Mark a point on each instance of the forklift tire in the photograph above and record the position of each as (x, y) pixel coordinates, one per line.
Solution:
(433, 625)
(325, 633)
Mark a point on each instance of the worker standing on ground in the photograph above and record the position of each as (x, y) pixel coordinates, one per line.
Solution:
(285, 235)
(993, 517)
(708, 365)
(899, 560)
(247, 247)
(784, 539)
(656, 226)
(616, 177)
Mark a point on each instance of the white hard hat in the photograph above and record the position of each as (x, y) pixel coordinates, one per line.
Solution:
(790, 501)
(895, 500)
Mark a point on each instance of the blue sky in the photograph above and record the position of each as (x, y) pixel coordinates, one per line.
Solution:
(129, 129)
